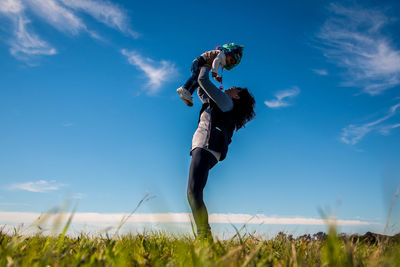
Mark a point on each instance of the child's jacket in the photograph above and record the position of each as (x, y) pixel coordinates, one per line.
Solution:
(214, 59)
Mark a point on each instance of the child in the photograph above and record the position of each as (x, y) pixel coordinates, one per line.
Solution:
(227, 56)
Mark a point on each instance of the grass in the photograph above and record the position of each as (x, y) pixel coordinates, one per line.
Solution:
(162, 249)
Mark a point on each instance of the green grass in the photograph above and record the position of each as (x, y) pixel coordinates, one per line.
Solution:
(161, 249)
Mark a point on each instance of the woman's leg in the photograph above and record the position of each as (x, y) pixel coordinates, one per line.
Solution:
(202, 162)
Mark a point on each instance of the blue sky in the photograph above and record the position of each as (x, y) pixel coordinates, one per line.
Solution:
(89, 111)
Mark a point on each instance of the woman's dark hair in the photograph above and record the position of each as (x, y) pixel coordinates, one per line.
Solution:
(243, 108)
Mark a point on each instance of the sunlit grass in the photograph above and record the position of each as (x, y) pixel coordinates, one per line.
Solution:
(53, 247)
(162, 249)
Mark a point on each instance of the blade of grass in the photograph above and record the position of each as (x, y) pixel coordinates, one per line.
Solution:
(65, 229)
(124, 219)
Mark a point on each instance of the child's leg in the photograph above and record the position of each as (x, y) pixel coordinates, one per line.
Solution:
(194, 86)
(192, 83)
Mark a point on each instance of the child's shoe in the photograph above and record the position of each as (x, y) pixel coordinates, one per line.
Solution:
(185, 96)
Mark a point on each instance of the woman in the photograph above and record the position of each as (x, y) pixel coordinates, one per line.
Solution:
(221, 114)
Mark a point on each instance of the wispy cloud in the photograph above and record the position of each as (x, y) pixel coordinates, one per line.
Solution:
(38, 186)
(25, 43)
(11, 6)
(282, 97)
(354, 39)
(115, 218)
(67, 124)
(321, 72)
(78, 196)
(57, 15)
(105, 12)
(156, 72)
(385, 130)
(353, 134)
(60, 14)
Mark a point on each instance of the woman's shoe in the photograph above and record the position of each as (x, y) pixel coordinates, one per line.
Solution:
(205, 235)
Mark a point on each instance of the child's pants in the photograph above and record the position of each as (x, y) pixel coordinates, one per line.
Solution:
(192, 82)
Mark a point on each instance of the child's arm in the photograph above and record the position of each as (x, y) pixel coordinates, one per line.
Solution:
(219, 61)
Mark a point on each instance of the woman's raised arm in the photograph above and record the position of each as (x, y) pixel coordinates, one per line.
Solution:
(223, 101)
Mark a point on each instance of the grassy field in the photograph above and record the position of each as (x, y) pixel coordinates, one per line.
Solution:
(161, 249)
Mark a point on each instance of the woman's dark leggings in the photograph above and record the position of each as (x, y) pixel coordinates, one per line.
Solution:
(202, 162)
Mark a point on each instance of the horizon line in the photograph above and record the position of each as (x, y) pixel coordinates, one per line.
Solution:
(169, 217)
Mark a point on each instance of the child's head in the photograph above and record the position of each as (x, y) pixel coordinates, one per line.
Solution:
(230, 59)
(233, 58)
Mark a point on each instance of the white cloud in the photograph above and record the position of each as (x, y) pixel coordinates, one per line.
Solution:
(11, 6)
(321, 72)
(56, 15)
(115, 218)
(281, 96)
(38, 186)
(385, 130)
(104, 12)
(62, 15)
(157, 73)
(27, 44)
(354, 39)
(353, 134)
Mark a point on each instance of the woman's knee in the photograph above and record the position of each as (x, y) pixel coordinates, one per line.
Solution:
(193, 195)
(191, 192)
(191, 198)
